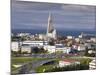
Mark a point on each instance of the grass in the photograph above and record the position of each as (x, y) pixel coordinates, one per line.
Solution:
(50, 68)
(18, 60)
(40, 69)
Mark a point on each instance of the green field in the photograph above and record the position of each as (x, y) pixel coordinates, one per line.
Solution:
(23, 60)
(17, 60)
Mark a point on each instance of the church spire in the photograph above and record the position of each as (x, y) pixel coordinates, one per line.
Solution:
(51, 32)
(50, 24)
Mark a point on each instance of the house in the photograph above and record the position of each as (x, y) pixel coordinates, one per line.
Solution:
(67, 62)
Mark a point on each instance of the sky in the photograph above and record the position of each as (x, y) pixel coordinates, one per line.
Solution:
(34, 15)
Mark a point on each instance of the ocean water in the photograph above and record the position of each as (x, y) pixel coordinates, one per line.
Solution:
(59, 32)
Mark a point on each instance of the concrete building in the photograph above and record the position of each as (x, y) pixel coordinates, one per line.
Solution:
(70, 37)
(14, 46)
(62, 48)
(57, 48)
(42, 36)
(26, 49)
(50, 49)
(67, 62)
(81, 47)
(35, 43)
(93, 40)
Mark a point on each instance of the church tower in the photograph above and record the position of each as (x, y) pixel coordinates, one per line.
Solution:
(51, 31)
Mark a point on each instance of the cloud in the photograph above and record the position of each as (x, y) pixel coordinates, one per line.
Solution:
(74, 7)
(35, 15)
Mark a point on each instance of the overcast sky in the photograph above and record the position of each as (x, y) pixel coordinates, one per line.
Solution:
(33, 15)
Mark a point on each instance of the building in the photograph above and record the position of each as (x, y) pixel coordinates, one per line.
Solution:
(51, 31)
(70, 37)
(67, 62)
(62, 48)
(77, 39)
(81, 47)
(57, 48)
(50, 49)
(14, 46)
(23, 34)
(36, 43)
(92, 64)
(26, 49)
(93, 40)
(42, 36)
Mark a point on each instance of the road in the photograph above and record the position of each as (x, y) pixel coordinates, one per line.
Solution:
(29, 68)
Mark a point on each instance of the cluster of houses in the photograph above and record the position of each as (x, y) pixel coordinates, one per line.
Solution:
(28, 45)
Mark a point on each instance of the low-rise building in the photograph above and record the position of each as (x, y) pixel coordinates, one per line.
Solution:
(57, 48)
(26, 49)
(42, 37)
(81, 47)
(50, 49)
(62, 48)
(77, 39)
(70, 37)
(67, 62)
(14, 46)
(93, 40)
(35, 43)
(23, 34)
(91, 51)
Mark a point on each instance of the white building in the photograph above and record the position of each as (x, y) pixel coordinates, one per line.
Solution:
(35, 43)
(23, 34)
(26, 49)
(70, 37)
(14, 46)
(57, 48)
(92, 65)
(75, 47)
(81, 47)
(62, 48)
(42, 36)
(50, 49)
(88, 45)
(77, 39)
(67, 62)
(68, 49)
(93, 39)
(91, 51)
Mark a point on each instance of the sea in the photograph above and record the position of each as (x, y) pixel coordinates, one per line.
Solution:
(74, 33)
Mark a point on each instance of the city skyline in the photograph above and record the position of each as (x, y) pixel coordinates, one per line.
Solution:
(34, 15)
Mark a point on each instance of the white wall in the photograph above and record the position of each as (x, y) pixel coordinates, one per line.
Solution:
(14, 46)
